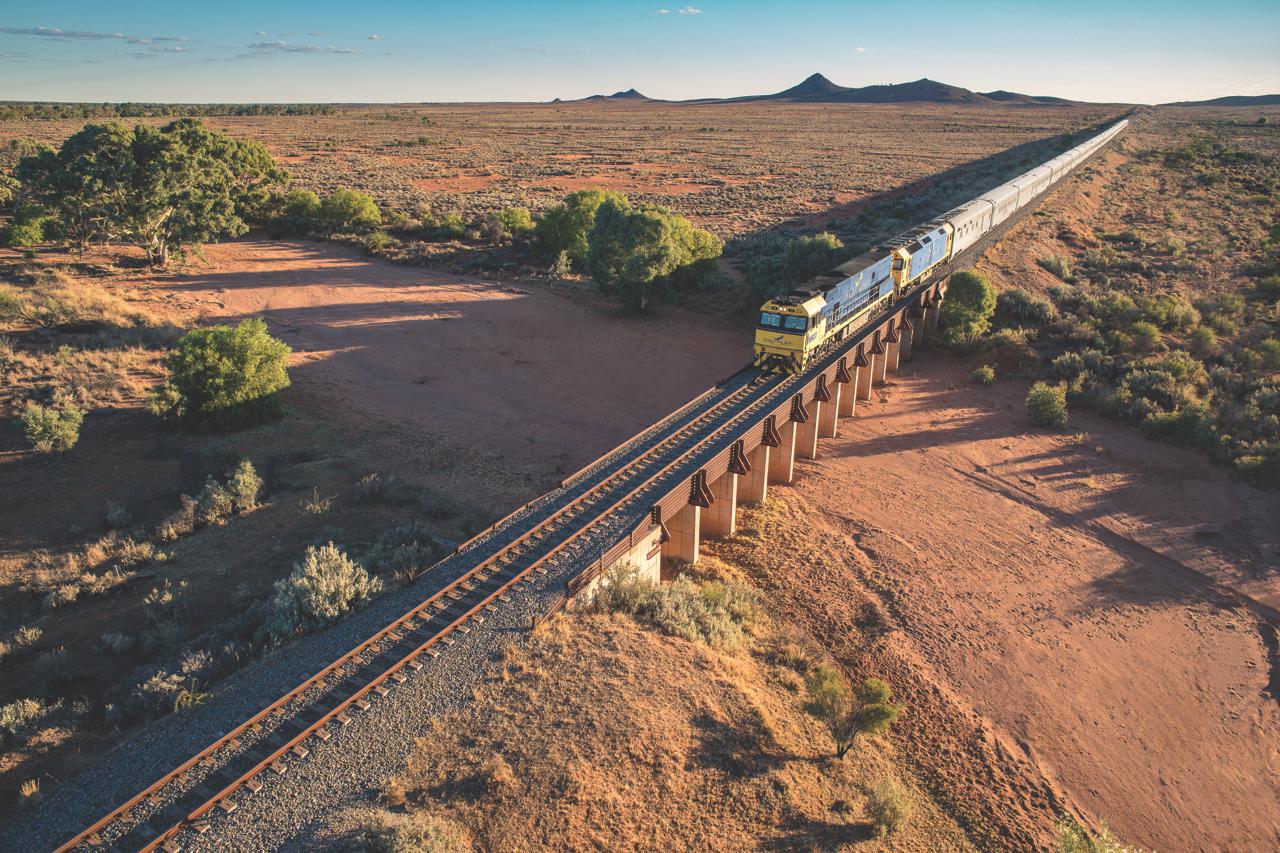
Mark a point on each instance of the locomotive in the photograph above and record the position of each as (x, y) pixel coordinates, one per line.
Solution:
(795, 325)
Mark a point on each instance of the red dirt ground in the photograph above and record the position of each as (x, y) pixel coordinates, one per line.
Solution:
(497, 368)
(1083, 598)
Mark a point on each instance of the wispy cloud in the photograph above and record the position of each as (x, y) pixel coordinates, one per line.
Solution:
(863, 49)
(266, 48)
(689, 10)
(315, 35)
(664, 11)
(552, 49)
(86, 35)
(376, 37)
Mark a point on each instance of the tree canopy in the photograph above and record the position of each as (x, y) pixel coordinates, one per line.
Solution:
(161, 189)
(799, 260)
(224, 377)
(633, 249)
(969, 306)
(564, 228)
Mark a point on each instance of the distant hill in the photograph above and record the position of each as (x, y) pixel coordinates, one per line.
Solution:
(1016, 98)
(628, 95)
(1232, 101)
(817, 89)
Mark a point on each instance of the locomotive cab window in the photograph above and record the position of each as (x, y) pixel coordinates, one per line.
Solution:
(771, 321)
(795, 324)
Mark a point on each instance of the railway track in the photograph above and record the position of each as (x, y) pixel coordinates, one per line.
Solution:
(212, 780)
(591, 505)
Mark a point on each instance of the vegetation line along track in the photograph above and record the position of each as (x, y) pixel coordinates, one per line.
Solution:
(343, 684)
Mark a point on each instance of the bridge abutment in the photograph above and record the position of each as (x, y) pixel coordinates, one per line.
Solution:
(721, 518)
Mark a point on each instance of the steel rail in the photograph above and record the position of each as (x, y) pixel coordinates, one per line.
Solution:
(276, 707)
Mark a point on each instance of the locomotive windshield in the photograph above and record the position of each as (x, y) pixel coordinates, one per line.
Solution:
(789, 323)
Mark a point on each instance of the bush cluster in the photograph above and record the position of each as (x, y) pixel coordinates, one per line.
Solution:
(342, 211)
(713, 612)
(1047, 405)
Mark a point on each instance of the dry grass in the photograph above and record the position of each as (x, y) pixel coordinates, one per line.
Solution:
(66, 332)
(732, 168)
(599, 727)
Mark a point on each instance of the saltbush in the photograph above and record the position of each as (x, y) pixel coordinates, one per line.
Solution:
(224, 377)
(323, 588)
(245, 487)
(984, 375)
(889, 806)
(55, 427)
(712, 612)
(1017, 306)
(1047, 405)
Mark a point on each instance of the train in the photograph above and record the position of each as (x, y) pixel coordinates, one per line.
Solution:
(796, 325)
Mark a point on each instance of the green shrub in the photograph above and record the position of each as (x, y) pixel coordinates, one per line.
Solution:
(849, 712)
(794, 262)
(1047, 405)
(889, 806)
(349, 210)
(404, 551)
(967, 310)
(27, 228)
(1145, 336)
(1018, 306)
(302, 210)
(55, 427)
(215, 503)
(1204, 342)
(1269, 287)
(564, 228)
(378, 243)
(323, 588)
(517, 220)
(984, 375)
(1190, 425)
(1168, 311)
(245, 487)
(711, 612)
(1059, 265)
(1269, 349)
(224, 377)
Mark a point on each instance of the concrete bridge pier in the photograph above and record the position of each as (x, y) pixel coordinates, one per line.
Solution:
(847, 381)
(720, 519)
(917, 328)
(892, 351)
(782, 461)
(684, 529)
(830, 421)
(906, 331)
(865, 375)
(879, 363)
(807, 441)
(931, 315)
(753, 487)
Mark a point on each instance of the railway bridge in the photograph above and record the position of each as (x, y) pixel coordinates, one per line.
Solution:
(650, 502)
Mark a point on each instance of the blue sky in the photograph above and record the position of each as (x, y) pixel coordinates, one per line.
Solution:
(460, 51)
